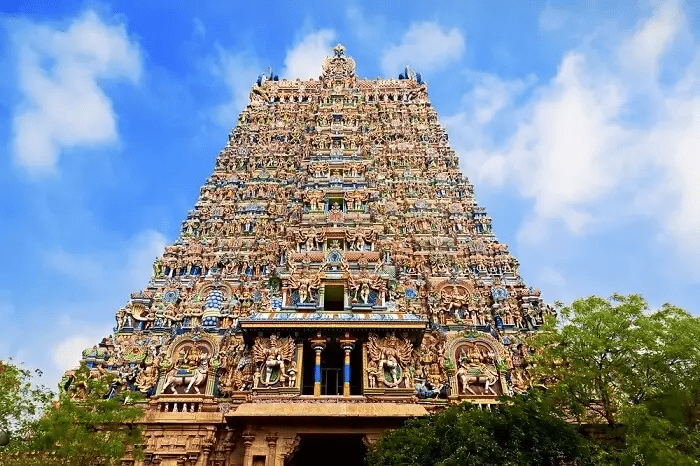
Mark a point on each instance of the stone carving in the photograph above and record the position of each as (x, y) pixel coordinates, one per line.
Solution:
(429, 359)
(476, 370)
(306, 286)
(190, 369)
(518, 365)
(236, 369)
(311, 239)
(360, 239)
(355, 199)
(362, 285)
(391, 358)
(273, 356)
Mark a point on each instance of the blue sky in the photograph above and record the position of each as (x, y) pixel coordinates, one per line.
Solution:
(578, 126)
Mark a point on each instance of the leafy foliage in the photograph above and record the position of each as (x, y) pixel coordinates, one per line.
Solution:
(618, 362)
(524, 430)
(628, 374)
(79, 428)
(20, 400)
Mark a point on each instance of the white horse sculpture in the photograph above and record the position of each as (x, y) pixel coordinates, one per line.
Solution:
(477, 376)
(193, 378)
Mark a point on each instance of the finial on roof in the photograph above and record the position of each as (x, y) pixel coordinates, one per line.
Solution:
(339, 50)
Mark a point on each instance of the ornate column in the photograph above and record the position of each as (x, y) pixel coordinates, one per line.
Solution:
(318, 344)
(347, 343)
(321, 297)
(272, 450)
(229, 445)
(208, 447)
(371, 439)
(248, 439)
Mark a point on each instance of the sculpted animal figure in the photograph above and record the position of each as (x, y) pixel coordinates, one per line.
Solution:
(480, 375)
(195, 378)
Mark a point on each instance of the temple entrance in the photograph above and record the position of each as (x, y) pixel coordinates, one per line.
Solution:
(332, 370)
(322, 450)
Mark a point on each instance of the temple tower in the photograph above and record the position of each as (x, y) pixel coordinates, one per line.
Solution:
(334, 278)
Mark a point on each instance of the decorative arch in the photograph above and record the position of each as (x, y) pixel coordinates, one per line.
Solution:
(478, 367)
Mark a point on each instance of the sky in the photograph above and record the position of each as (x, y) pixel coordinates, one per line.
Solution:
(577, 123)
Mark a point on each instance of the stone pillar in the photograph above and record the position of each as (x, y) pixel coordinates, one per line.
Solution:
(248, 440)
(272, 450)
(318, 344)
(347, 343)
(207, 447)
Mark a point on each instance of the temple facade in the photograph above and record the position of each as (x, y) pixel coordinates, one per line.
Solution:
(334, 278)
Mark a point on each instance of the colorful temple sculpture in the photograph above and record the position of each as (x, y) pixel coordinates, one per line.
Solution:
(334, 278)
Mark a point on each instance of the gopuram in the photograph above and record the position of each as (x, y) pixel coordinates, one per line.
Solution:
(334, 278)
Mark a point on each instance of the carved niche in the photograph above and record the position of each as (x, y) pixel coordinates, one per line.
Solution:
(477, 366)
(275, 362)
(189, 368)
(388, 362)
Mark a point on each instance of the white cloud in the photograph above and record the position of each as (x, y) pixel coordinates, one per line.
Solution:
(127, 268)
(59, 72)
(425, 47)
(69, 338)
(554, 282)
(487, 101)
(583, 151)
(304, 60)
(567, 150)
(67, 353)
(643, 50)
(238, 70)
(198, 29)
(676, 148)
(368, 29)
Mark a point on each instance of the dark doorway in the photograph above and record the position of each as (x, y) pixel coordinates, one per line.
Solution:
(334, 298)
(338, 450)
(332, 370)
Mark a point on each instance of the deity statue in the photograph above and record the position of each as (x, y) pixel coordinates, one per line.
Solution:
(335, 214)
(236, 366)
(272, 355)
(392, 358)
(311, 239)
(429, 359)
(360, 239)
(476, 367)
(315, 199)
(306, 286)
(190, 369)
(361, 285)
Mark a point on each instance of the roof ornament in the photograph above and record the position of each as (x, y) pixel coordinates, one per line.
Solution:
(409, 73)
(339, 66)
(269, 75)
(339, 50)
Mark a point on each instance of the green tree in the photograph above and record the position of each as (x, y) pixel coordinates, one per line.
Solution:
(524, 430)
(618, 362)
(20, 400)
(81, 427)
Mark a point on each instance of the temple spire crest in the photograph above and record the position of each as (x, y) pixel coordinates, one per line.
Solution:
(338, 66)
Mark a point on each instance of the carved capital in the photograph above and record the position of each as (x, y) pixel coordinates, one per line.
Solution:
(318, 343)
(347, 342)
